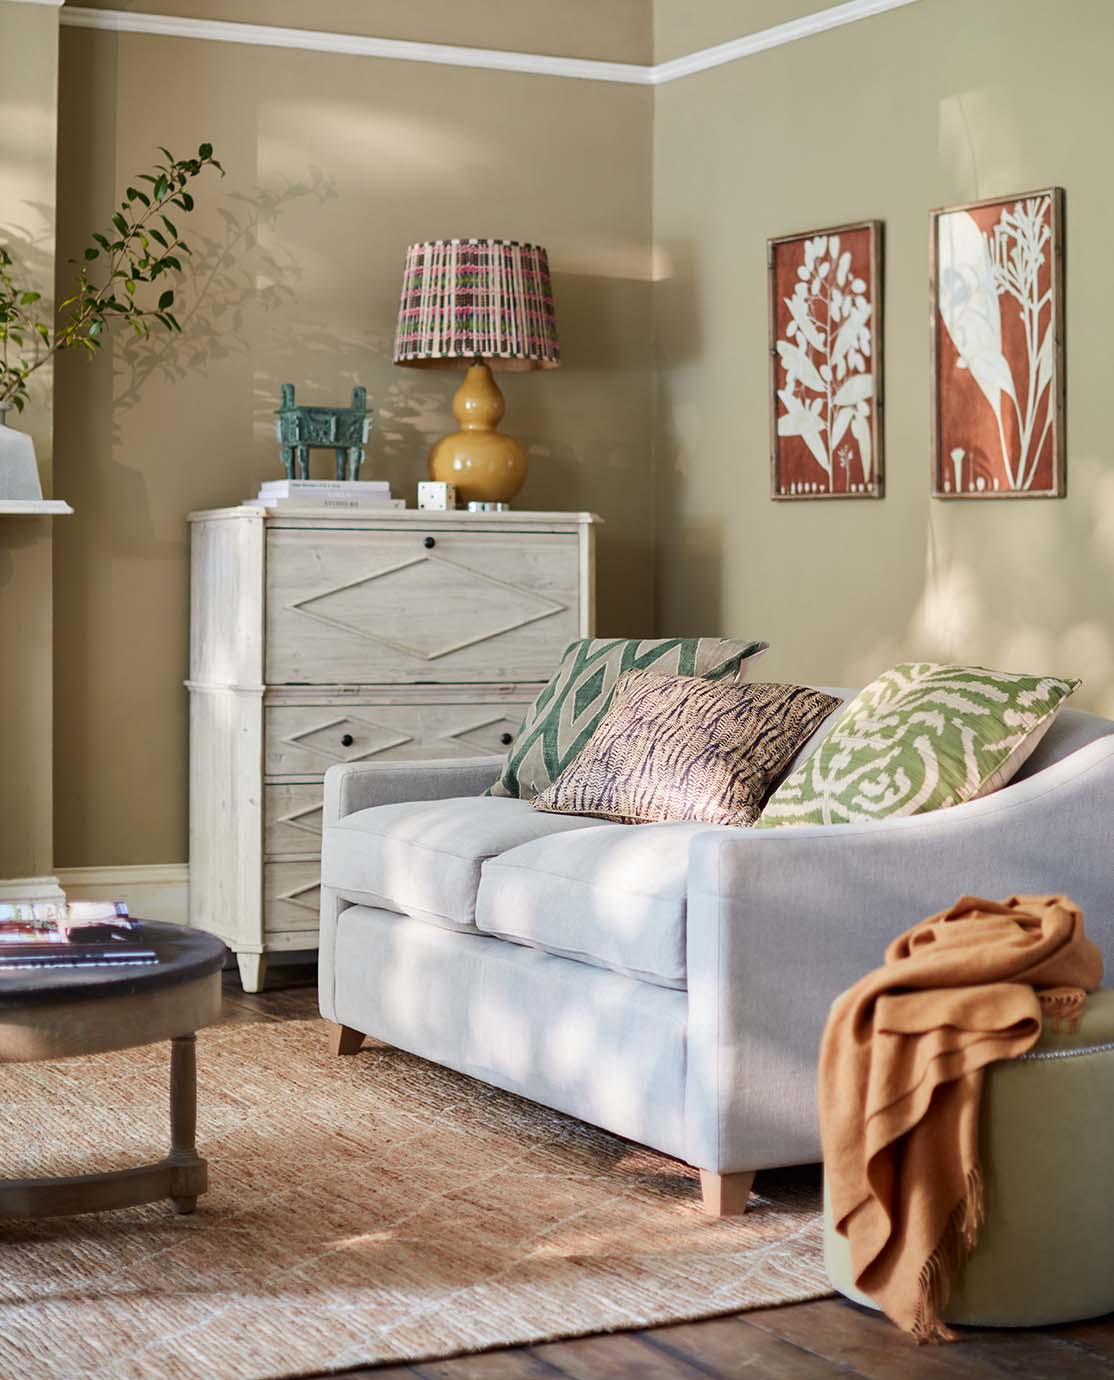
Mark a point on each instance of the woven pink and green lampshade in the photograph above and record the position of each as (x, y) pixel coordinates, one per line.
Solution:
(464, 300)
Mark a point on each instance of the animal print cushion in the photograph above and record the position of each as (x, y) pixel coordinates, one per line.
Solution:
(919, 738)
(568, 710)
(673, 747)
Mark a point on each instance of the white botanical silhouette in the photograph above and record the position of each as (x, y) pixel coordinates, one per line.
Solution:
(828, 386)
(976, 271)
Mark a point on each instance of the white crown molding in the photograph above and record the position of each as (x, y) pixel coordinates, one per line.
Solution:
(396, 49)
(54, 4)
(775, 37)
(402, 50)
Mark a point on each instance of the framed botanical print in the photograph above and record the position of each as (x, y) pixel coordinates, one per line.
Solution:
(997, 311)
(826, 363)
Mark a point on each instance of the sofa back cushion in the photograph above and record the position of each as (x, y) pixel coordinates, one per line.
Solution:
(568, 710)
(921, 737)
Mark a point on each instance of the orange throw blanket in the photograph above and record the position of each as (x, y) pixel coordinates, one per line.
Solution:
(901, 1082)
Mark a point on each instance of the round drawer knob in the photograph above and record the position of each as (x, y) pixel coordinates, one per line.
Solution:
(430, 543)
(347, 740)
(506, 739)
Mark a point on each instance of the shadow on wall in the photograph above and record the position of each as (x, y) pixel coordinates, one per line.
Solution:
(226, 277)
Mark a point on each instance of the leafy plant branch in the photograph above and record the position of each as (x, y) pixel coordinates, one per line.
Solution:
(142, 246)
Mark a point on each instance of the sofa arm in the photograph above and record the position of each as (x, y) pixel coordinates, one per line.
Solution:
(359, 785)
(780, 921)
(356, 786)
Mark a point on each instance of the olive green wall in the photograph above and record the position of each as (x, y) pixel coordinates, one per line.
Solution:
(28, 131)
(940, 102)
(655, 205)
(335, 163)
(682, 26)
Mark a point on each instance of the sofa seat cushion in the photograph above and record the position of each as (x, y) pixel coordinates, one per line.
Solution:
(613, 896)
(423, 858)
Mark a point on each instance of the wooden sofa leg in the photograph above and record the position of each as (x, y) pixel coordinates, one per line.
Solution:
(725, 1195)
(343, 1039)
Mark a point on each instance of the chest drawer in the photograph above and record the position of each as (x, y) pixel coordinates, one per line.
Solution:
(305, 739)
(396, 607)
(292, 818)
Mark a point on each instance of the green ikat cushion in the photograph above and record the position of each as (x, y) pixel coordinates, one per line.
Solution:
(919, 738)
(569, 709)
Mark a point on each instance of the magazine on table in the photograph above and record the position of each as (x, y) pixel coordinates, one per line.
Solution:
(69, 934)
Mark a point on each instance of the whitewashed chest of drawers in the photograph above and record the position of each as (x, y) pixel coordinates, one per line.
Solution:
(317, 639)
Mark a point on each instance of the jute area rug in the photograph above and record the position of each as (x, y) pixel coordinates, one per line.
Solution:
(361, 1210)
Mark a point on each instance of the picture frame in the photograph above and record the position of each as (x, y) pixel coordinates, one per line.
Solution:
(825, 343)
(996, 306)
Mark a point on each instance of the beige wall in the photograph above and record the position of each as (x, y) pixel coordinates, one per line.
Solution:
(334, 164)
(28, 129)
(940, 102)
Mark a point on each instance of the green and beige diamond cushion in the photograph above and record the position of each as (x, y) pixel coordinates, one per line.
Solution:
(921, 737)
(568, 710)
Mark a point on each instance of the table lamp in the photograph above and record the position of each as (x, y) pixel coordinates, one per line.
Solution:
(477, 305)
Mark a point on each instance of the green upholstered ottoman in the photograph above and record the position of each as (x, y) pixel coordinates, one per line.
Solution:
(1046, 1252)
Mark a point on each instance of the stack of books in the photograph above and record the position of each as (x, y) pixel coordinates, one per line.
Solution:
(69, 934)
(351, 494)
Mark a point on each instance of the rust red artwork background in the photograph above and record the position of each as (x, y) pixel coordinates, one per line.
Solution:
(798, 472)
(969, 458)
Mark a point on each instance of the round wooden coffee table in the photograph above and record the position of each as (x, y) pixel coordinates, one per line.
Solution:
(63, 1012)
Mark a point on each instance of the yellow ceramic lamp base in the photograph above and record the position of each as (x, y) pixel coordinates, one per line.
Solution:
(485, 465)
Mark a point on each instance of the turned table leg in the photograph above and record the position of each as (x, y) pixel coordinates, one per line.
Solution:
(189, 1170)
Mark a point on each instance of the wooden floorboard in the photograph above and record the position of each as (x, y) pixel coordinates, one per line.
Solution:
(806, 1341)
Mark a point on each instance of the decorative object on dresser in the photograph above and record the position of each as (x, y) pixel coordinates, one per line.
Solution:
(343, 430)
(316, 639)
(997, 312)
(436, 497)
(826, 362)
(477, 305)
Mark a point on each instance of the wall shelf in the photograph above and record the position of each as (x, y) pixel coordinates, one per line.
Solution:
(33, 507)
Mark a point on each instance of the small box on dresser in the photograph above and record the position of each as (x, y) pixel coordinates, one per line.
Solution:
(318, 638)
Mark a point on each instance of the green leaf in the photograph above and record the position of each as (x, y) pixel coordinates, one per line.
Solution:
(186, 201)
(166, 300)
(205, 151)
(27, 299)
(161, 188)
(100, 239)
(170, 225)
(171, 262)
(159, 237)
(148, 177)
(169, 155)
(129, 288)
(95, 329)
(120, 223)
(92, 254)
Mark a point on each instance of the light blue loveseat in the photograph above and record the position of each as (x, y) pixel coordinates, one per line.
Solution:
(668, 982)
